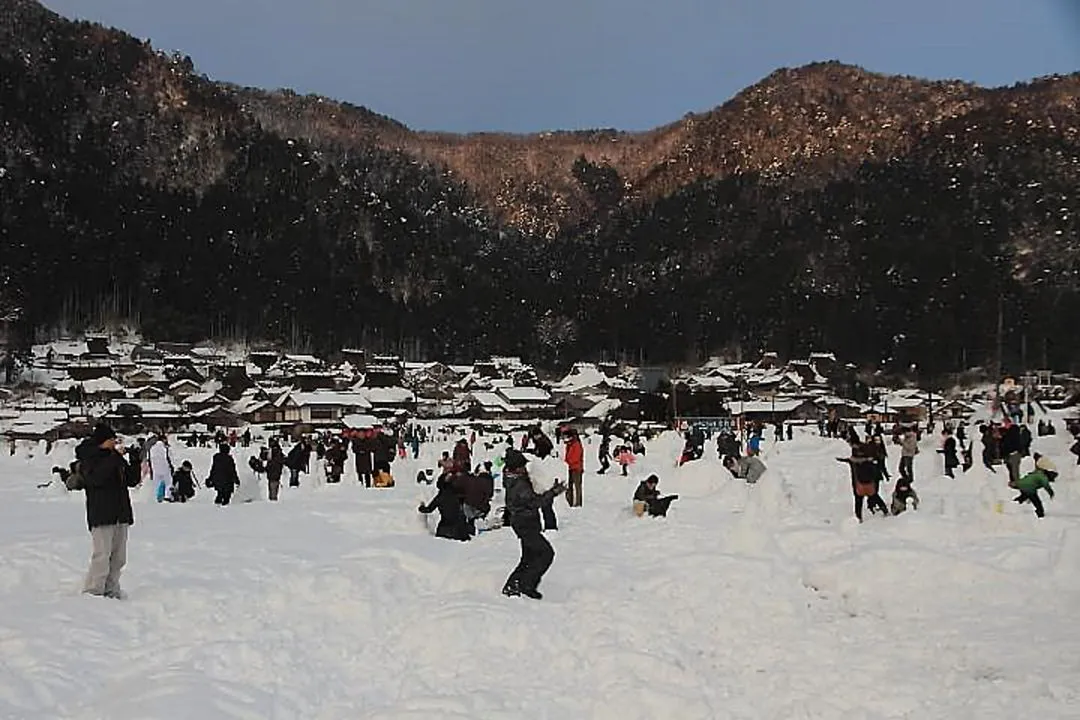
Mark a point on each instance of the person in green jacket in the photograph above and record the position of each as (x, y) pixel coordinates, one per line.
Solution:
(1029, 486)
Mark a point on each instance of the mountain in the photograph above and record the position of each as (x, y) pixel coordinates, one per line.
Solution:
(887, 219)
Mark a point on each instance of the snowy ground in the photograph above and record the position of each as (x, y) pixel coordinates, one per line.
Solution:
(763, 602)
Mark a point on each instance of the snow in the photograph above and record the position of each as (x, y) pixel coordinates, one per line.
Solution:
(603, 408)
(328, 397)
(746, 602)
(525, 394)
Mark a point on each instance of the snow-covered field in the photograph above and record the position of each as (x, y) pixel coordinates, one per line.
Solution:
(746, 602)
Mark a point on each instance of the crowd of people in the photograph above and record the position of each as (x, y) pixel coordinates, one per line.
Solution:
(465, 491)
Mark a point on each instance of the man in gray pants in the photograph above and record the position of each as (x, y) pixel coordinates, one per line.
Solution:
(106, 477)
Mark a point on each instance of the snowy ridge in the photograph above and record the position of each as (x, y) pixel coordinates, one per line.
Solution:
(747, 602)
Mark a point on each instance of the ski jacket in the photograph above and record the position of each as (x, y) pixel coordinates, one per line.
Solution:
(575, 456)
(1033, 482)
(106, 477)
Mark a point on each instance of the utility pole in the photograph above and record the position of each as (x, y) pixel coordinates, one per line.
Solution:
(1000, 345)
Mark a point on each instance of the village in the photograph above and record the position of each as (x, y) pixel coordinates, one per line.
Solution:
(195, 388)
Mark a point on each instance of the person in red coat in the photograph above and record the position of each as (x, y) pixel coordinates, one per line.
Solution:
(575, 463)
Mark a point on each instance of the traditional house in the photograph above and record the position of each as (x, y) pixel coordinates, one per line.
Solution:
(528, 401)
(388, 400)
(772, 411)
(183, 388)
(384, 371)
(147, 392)
(326, 408)
(201, 401)
(482, 405)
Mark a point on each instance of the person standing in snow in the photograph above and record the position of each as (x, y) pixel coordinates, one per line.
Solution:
(1029, 486)
(161, 466)
(275, 467)
(865, 477)
(948, 450)
(106, 477)
(909, 448)
(1012, 443)
(335, 461)
(604, 455)
(522, 505)
(223, 476)
(540, 442)
(575, 464)
(448, 501)
(297, 461)
(462, 456)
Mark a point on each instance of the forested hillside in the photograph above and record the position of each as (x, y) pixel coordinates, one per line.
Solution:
(882, 218)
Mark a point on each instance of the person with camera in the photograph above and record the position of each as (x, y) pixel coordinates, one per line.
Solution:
(523, 506)
(105, 478)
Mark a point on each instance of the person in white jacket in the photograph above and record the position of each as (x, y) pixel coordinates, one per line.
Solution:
(161, 467)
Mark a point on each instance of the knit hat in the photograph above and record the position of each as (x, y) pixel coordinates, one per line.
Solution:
(102, 433)
(515, 460)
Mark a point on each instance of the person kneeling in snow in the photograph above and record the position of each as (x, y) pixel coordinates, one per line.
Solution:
(647, 493)
(448, 501)
(749, 468)
(1029, 486)
(523, 514)
(903, 492)
(183, 484)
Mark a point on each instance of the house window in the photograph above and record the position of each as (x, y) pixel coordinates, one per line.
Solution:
(322, 413)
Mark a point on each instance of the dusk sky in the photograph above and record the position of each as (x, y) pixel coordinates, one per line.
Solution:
(526, 65)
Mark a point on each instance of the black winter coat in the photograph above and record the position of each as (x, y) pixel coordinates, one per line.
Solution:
(522, 502)
(452, 524)
(107, 477)
(362, 449)
(385, 448)
(298, 458)
(541, 444)
(275, 465)
(645, 494)
(223, 473)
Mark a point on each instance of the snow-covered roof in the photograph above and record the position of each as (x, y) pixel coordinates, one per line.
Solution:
(92, 387)
(304, 359)
(713, 382)
(581, 377)
(765, 406)
(603, 408)
(915, 393)
(184, 382)
(325, 397)
(203, 397)
(491, 401)
(387, 395)
(525, 394)
(154, 406)
(360, 422)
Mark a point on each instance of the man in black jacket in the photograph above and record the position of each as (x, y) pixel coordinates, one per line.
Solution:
(522, 509)
(106, 479)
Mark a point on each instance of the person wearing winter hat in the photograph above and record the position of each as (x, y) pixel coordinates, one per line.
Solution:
(522, 504)
(106, 477)
(648, 494)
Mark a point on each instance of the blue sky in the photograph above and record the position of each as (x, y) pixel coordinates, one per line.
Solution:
(527, 65)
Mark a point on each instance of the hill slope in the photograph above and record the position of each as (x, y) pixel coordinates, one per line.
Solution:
(882, 217)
